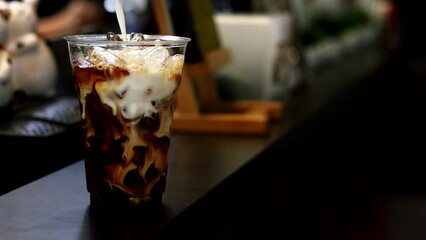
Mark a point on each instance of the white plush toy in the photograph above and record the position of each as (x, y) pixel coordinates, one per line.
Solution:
(34, 65)
(6, 90)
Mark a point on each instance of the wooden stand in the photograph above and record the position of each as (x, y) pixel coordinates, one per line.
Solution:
(199, 108)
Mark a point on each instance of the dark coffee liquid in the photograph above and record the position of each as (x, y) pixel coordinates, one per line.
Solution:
(125, 158)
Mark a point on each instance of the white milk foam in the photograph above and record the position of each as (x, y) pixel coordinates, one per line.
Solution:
(150, 79)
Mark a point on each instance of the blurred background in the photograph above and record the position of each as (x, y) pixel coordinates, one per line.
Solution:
(276, 49)
(272, 46)
(295, 35)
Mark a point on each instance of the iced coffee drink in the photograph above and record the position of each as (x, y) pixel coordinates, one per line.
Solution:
(127, 92)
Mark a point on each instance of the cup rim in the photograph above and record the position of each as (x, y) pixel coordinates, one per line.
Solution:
(150, 39)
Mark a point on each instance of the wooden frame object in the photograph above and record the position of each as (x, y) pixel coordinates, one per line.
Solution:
(199, 108)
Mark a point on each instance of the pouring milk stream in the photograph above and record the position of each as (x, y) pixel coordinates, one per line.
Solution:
(121, 19)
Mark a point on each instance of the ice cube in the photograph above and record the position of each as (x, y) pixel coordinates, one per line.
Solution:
(154, 58)
(101, 57)
(174, 64)
(113, 37)
(136, 37)
(157, 52)
(80, 60)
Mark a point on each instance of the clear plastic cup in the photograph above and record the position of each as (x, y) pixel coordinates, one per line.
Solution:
(127, 92)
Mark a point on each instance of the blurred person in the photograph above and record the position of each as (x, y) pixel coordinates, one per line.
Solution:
(63, 17)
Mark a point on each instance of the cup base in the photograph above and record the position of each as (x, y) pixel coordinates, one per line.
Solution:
(153, 201)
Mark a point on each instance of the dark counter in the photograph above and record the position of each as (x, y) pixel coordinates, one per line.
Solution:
(328, 170)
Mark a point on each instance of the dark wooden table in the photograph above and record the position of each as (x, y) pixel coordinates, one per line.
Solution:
(318, 174)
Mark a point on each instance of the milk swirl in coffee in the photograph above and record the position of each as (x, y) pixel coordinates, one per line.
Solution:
(127, 85)
(127, 95)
